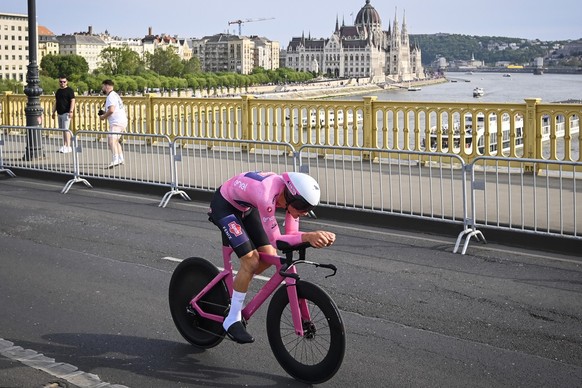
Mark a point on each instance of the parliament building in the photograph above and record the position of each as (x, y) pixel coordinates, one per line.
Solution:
(363, 50)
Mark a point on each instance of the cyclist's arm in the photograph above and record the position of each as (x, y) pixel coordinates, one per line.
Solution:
(292, 235)
(317, 239)
(291, 224)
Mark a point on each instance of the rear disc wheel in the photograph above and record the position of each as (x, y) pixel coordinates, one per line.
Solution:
(189, 278)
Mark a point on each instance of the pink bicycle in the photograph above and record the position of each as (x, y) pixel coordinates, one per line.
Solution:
(304, 325)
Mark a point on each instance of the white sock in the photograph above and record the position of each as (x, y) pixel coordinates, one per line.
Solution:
(236, 305)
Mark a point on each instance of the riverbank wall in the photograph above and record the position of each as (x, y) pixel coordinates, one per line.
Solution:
(340, 88)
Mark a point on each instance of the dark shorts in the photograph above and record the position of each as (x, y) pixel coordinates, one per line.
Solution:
(243, 231)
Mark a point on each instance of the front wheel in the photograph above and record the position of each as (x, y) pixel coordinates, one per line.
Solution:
(189, 278)
(317, 356)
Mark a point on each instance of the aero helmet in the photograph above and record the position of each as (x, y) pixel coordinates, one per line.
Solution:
(301, 191)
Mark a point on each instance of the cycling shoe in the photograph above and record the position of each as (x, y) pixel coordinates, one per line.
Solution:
(239, 334)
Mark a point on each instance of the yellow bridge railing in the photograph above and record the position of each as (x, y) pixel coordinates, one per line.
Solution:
(531, 129)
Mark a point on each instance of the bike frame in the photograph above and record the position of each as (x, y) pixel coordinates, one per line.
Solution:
(299, 309)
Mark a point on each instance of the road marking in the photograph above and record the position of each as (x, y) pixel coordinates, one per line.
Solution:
(176, 260)
(172, 259)
(63, 371)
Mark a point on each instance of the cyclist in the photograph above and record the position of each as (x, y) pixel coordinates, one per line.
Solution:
(243, 208)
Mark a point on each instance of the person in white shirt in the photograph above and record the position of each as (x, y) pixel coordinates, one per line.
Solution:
(117, 117)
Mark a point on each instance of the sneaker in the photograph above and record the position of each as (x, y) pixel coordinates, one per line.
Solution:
(115, 162)
(121, 160)
(65, 150)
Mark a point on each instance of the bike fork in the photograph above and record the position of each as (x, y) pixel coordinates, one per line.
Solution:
(299, 309)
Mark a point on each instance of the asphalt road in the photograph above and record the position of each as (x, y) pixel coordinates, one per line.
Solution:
(84, 279)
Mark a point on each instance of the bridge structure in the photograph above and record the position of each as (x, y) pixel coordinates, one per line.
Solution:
(517, 169)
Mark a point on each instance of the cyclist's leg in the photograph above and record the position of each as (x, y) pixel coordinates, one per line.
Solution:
(230, 221)
(268, 249)
(254, 227)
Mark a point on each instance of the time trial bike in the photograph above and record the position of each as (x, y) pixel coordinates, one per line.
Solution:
(304, 326)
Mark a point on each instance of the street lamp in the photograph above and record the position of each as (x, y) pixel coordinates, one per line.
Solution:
(33, 91)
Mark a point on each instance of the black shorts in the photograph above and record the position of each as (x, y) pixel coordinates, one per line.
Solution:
(243, 231)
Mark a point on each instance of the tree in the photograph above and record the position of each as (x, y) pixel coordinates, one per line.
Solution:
(463, 47)
(118, 61)
(73, 66)
(93, 83)
(192, 65)
(165, 62)
(9, 85)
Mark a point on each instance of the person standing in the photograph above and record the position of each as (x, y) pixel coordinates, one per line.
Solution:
(117, 117)
(64, 108)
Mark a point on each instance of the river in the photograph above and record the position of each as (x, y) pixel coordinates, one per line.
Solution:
(498, 89)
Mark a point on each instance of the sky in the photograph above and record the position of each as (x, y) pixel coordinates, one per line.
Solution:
(316, 18)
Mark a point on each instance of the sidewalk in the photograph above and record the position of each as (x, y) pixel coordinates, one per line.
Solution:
(14, 374)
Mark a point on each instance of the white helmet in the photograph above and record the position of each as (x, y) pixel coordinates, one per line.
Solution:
(301, 191)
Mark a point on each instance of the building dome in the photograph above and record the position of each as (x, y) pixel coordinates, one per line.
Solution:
(368, 16)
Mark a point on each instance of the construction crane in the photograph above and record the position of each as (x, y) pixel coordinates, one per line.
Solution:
(241, 21)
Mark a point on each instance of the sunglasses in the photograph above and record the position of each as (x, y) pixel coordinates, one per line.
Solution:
(62, 82)
(301, 205)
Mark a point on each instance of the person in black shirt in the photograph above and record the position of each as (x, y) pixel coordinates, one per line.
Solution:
(64, 108)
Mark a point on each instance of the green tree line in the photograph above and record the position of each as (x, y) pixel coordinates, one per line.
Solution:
(160, 70)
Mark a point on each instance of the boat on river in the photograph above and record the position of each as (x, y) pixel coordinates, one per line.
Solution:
(478, 92)
(467, 134)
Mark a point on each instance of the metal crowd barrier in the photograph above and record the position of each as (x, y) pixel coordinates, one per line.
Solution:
(47, 144)
(407, 183)
(2, 168)
(148, 158)
(529, 195)
(205, 163)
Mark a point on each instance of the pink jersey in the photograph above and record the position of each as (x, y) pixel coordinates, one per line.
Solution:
(260, 190)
